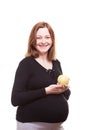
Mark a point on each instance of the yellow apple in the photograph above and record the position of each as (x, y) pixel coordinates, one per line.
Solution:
(63, 80)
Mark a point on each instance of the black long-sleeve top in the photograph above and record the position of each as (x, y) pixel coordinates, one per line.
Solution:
(29, 94)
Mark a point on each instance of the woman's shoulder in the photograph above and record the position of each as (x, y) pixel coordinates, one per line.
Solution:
(56, 61)
(26, 61)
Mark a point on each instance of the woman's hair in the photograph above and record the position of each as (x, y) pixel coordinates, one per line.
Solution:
(31, 51)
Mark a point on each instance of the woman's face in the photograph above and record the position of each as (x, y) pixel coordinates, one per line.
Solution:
(43, 40)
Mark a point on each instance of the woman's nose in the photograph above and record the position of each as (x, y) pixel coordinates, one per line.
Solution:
(43, 40)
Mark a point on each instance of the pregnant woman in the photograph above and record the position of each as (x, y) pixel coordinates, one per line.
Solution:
(41, 102)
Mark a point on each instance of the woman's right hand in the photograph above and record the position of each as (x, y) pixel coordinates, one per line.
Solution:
(55, 89)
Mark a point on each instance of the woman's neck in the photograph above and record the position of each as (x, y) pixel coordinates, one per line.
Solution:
(44, 62)
(42, 58)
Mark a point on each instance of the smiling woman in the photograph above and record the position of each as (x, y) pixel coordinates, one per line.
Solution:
(43, 40)
(42, 102)
(41, 31)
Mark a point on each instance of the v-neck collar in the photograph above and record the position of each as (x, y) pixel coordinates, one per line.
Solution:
(43, 66)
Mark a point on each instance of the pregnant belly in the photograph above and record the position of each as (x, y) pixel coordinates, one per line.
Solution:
(53, 108)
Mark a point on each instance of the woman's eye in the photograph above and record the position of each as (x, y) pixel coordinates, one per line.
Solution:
(47, 37)
(38, 37)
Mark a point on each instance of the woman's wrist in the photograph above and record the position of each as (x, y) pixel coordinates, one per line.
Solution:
(47, 90)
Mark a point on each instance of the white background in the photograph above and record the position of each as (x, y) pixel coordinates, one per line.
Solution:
(68, 18)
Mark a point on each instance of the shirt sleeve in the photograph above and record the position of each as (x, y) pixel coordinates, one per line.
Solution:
(20, 94)
(67, 94)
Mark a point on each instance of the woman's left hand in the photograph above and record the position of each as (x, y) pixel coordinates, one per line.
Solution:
(62, 88)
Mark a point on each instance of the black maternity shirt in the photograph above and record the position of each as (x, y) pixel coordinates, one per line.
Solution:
(29, 94)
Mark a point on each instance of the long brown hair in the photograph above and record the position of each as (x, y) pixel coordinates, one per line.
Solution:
(31, 51)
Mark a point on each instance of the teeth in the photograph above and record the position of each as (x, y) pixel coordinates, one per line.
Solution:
(43, 46)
